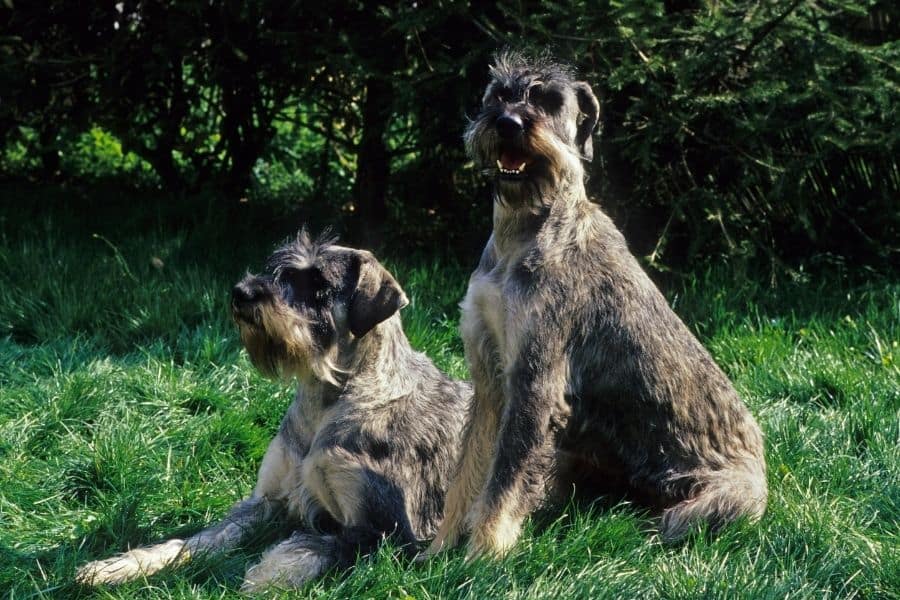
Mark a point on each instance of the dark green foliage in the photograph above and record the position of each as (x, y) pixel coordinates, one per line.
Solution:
(762, 129)
(772, 122)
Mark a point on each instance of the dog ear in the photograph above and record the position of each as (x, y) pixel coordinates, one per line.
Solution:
(377, 296)
(590, 110)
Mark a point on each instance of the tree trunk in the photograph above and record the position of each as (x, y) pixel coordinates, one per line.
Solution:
(49, 152)
(322, 172)
(164, 164)
(373, 164)
(237, 128)
(170, 123)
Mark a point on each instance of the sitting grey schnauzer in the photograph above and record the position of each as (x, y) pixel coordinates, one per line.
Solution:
(369, 444)
(579, 365)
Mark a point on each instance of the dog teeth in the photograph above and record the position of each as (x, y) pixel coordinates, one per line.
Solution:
(517, 171)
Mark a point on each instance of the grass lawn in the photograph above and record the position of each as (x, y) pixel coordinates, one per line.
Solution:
(129, 414)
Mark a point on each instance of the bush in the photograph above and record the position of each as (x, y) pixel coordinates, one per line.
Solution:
(766, 130)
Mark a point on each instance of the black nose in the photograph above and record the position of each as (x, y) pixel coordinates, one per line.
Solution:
(509, 125)
(246, 292)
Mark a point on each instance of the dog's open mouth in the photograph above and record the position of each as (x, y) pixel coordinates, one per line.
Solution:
(512, 164)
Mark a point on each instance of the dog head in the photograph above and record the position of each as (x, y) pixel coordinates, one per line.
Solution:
(314, 299)
(534, 127)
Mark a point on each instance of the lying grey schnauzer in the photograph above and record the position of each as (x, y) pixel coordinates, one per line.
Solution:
(579, 365)
(369, 444)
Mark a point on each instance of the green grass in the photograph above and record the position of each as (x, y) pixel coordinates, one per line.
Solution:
(128, 414)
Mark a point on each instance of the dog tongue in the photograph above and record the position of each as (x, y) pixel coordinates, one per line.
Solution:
(512, 160)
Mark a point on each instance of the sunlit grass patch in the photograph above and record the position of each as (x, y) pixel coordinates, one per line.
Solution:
(128, 414)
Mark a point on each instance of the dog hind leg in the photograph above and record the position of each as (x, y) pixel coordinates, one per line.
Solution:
(305, 555)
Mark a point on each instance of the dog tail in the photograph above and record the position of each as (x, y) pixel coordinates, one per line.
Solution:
(718, 498)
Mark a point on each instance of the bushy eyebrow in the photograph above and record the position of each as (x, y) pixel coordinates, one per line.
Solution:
(499, 89)
(549, 97)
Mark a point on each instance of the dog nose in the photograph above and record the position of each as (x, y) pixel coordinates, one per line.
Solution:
(509, 125)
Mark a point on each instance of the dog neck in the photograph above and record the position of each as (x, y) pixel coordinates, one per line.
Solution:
(518, 224)
(377, 364)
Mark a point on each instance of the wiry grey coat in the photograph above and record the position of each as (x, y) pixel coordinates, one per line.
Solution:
(581, 369)
(367, 447)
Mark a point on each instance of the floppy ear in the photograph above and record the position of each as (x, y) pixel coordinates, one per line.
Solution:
(590, 109)
(377, 296)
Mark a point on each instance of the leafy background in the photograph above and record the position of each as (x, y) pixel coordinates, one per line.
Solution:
(760, 129)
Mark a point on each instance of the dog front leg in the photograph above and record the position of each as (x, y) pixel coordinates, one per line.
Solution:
(244, 518)
(475, 457)
(523, 456)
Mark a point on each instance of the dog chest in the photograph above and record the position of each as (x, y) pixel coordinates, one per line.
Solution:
(486, 313)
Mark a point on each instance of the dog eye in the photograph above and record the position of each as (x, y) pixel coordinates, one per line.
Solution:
(501, 94)
(303, 286)
(548, 100)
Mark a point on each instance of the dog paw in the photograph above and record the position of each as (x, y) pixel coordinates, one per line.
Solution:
(254, 587)
(109, 571)
(445, 539)
(259, 580)
(131, 565)
(493, 537)
(290, 564)
(267, 579)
